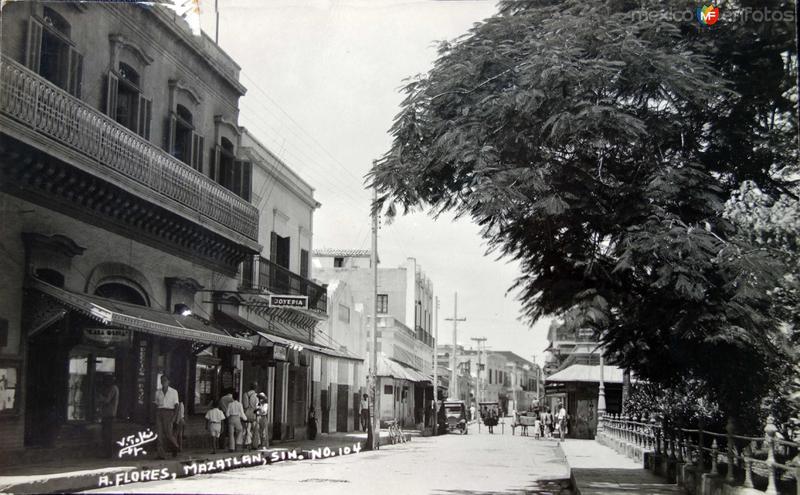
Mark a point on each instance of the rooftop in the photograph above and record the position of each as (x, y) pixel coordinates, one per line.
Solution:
(342, 253)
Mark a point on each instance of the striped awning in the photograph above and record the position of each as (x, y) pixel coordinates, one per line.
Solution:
(388, 367)
(117, 314)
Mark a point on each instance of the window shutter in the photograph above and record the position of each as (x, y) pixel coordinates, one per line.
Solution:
(169, 133)
(74, 72)
(247, 180)
(242, 172)
(197, 151)
(214, 164)
(304, 263)
(145, 114)
(273, 247)
(112, 89)
(33, 50)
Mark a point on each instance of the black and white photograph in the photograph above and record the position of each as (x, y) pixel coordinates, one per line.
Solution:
(417, 247)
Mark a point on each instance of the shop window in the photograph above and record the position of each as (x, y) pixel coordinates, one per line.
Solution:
(125, 102)
(204, 386)
(87, 372)
(338, 262)
(388, 390)
(232, 174)
(383, 303)
(51, 53)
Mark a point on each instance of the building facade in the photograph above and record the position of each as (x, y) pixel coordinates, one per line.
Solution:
(125, 199)
(404, 320)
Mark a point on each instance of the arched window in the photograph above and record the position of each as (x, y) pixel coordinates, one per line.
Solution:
(183, 135)
(128, 98)
(127, 292)
(231, 173)
(51, 53)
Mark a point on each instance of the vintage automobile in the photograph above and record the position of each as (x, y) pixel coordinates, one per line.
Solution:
(456, 413)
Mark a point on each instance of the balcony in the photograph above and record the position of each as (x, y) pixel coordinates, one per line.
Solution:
(276, 279)
(38, 113)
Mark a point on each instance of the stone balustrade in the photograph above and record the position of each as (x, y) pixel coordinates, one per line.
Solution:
(707, 462)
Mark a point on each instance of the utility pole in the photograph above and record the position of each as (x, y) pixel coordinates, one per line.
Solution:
(480, 341)
(455, 319)
(375, 425)
(216, 27)
(435, 370)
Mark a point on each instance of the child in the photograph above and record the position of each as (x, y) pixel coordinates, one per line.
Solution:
(537, 429)
(214, 419)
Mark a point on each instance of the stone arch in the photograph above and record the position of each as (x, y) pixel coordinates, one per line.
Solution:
(120, 273)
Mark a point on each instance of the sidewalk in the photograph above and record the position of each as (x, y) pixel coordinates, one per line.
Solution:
(63, 476)
(598, 470)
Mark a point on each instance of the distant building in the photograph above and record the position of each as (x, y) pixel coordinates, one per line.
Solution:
(404, 320)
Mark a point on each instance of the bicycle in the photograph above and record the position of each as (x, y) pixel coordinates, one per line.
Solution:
(396, 434)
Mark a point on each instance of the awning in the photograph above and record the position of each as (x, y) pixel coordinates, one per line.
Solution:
(390, 368)
(141, 318)
(586, 373)
(237, 324)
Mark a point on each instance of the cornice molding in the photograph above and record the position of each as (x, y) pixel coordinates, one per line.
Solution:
(118, 41)
(56, 243)
(220, 120)
(180, 85)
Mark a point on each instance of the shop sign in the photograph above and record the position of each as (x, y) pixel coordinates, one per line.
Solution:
(279, 352)
(107, 336)
(280, 301)
(141, 373)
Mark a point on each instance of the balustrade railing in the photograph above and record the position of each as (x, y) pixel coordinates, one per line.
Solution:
(276, 279)
(768, 463)
(38, 104)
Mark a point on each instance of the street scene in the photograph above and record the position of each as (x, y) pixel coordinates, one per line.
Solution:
(446, 247)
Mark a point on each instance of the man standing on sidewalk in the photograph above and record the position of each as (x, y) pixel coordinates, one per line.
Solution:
(235, 413)
(364, 412)
(109, 400)
(167, 405)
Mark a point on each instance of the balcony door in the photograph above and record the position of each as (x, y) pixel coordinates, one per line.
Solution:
(280, 254)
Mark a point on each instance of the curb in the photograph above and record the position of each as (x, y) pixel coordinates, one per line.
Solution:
(168, 469)
(572, 481)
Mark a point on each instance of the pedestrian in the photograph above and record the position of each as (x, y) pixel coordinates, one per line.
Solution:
(561, 421)
(537, 429)
(214, 419)
(548, 424)
(180, 423)
(109, 400)
(364, 412)
(224, 402)
(250, 404)
(472, 412)
(166, 411)
(234, 416)
(262, 421)
(312, 423)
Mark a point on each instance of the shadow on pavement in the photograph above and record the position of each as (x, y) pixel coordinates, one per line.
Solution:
(543, 487)
(609, 481)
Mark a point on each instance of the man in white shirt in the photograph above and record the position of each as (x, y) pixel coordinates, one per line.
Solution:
(235, 413)
(561, 420)
(167, 409)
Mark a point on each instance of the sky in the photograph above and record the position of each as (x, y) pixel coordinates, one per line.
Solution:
(323, 79)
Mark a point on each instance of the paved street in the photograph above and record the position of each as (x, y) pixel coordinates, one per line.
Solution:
(452, 464)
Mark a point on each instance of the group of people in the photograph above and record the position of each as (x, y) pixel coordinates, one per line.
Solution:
(246, 422)
(490, 419)
(546, 424)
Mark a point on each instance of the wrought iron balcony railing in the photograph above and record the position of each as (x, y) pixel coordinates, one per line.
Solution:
(279, 280)
(39, 105)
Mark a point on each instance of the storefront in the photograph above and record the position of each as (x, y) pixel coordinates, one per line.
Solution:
(76, 341)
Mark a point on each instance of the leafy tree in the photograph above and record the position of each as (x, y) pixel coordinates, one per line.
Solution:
(596, 143)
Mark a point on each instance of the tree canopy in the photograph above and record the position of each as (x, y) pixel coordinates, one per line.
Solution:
(597, 143)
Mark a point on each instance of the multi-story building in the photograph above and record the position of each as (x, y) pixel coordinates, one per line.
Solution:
(135, 215)
(124, 198)
(404, 320)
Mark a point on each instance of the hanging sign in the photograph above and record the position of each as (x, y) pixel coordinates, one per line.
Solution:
(107, 336)
(279, 353)
(281, 301)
